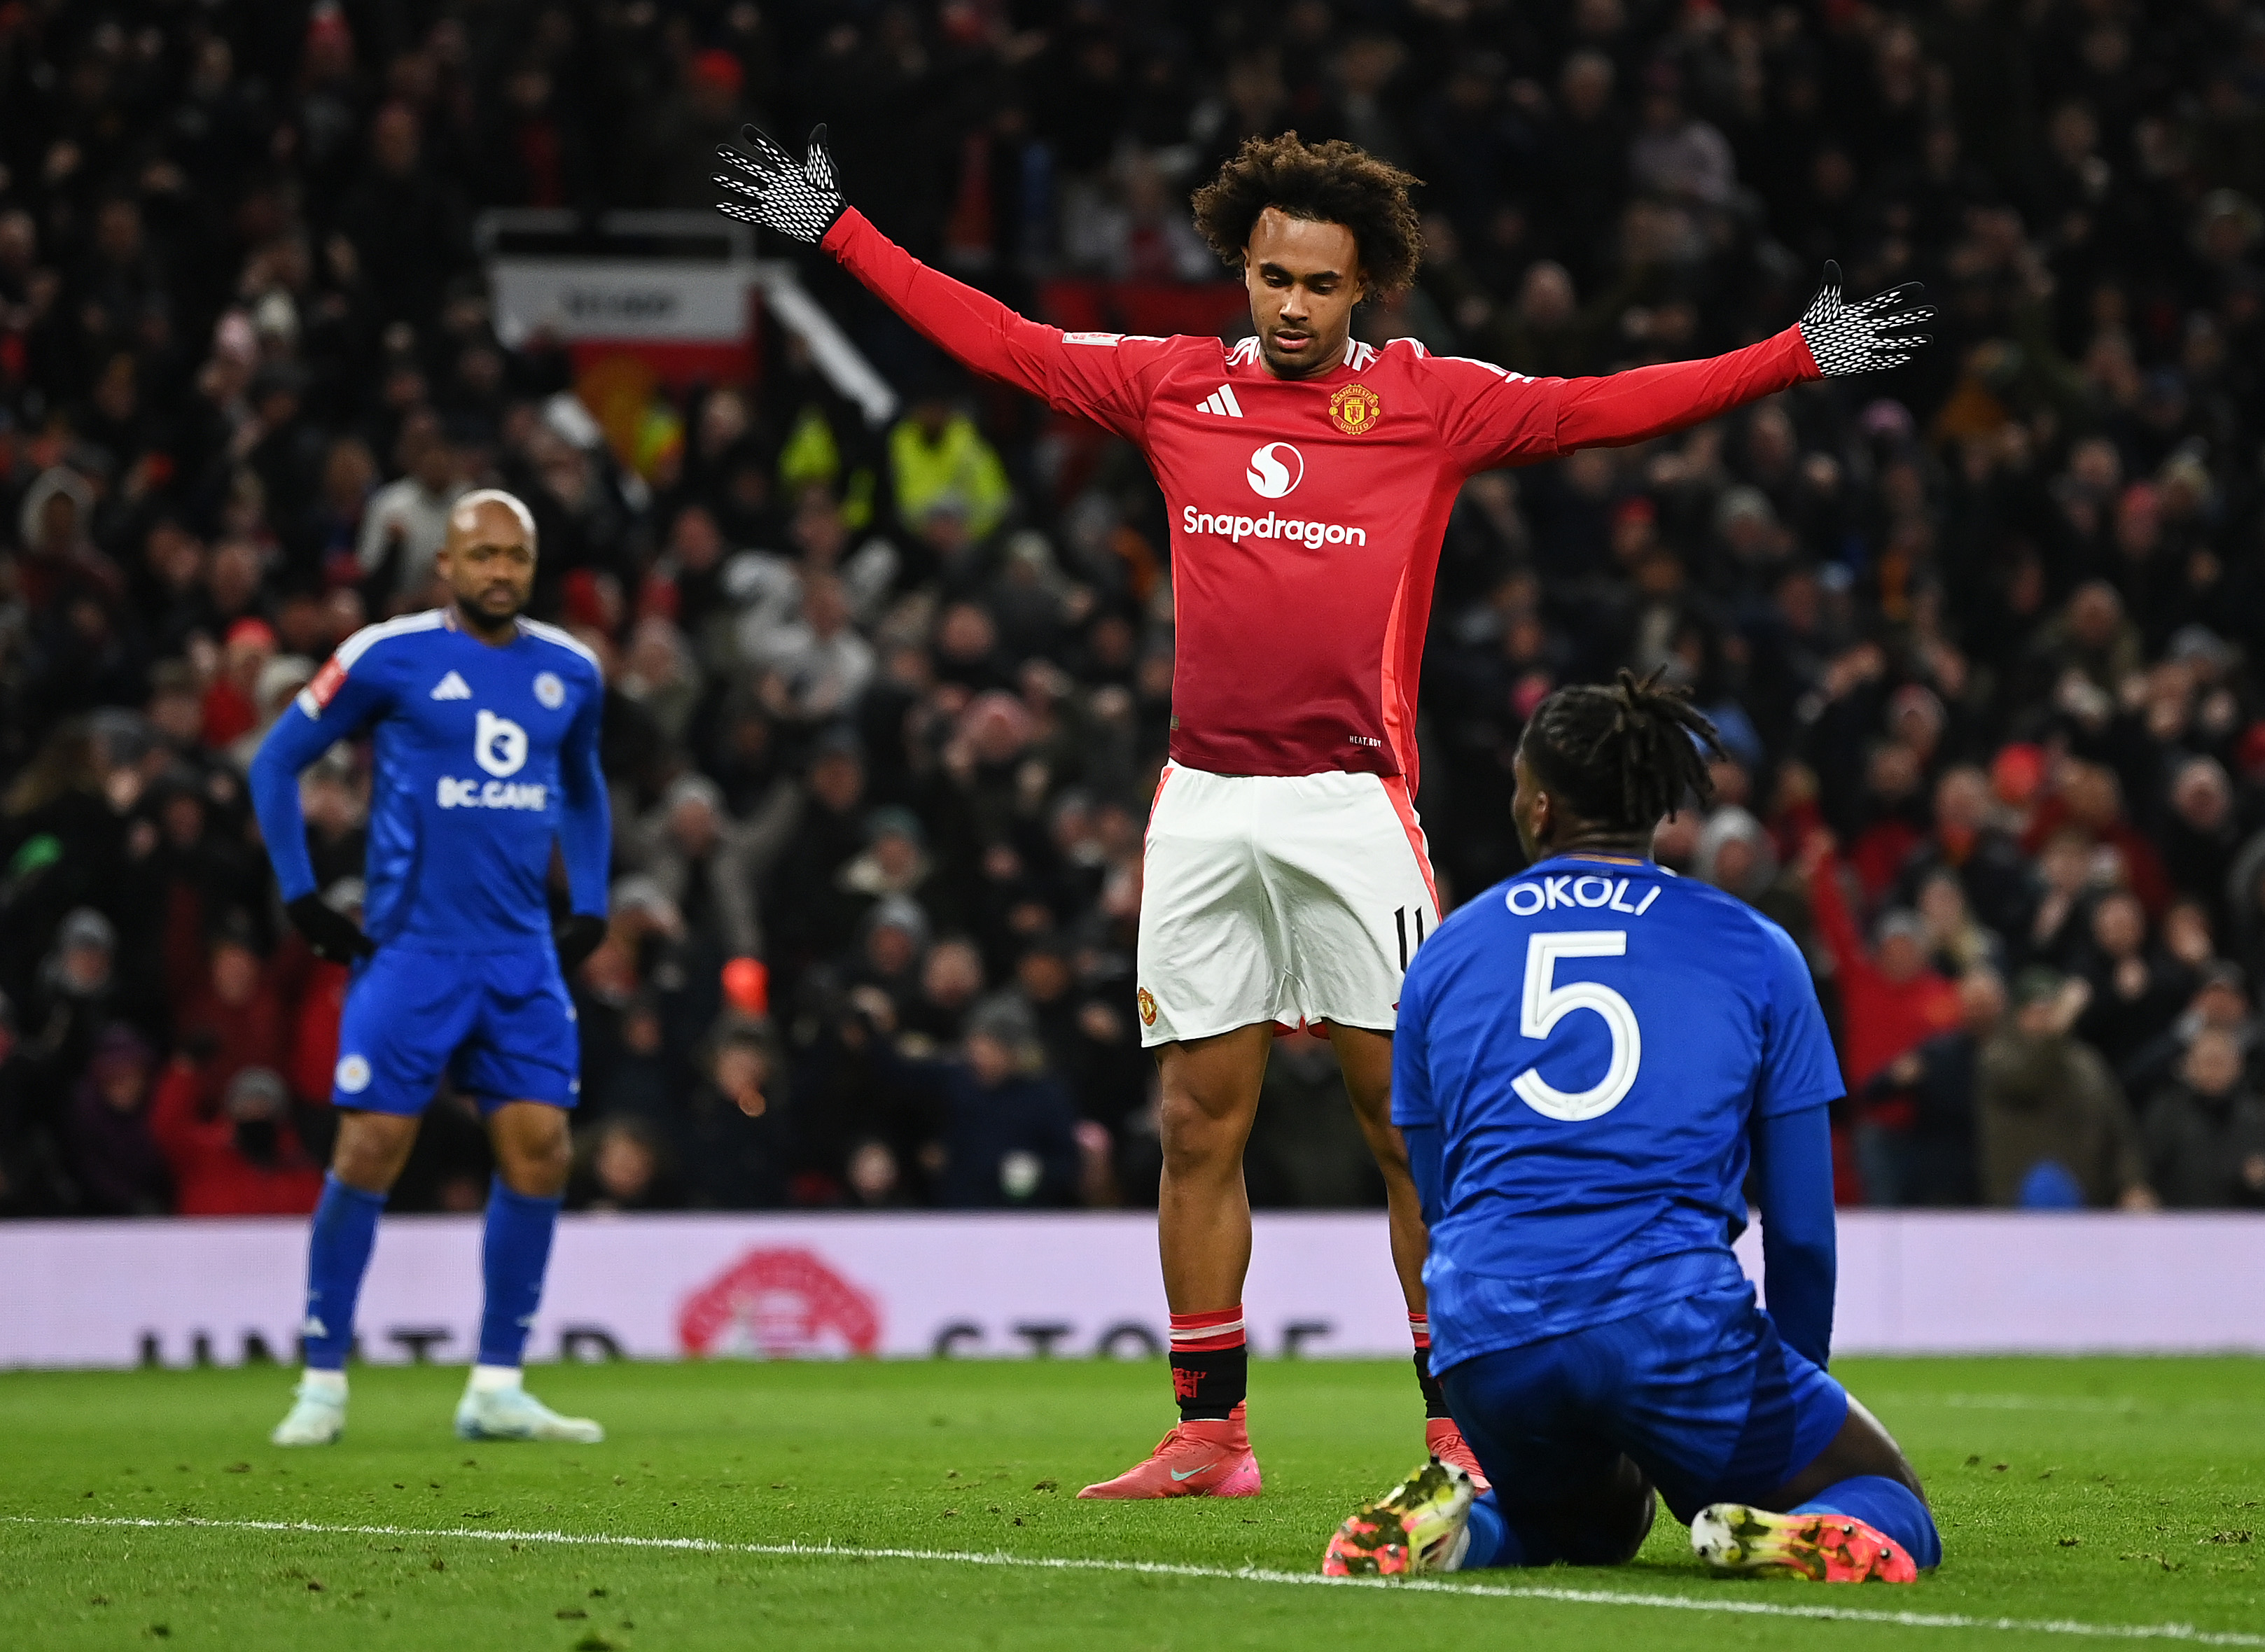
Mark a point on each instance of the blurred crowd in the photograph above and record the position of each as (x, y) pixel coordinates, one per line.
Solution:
(885, 703)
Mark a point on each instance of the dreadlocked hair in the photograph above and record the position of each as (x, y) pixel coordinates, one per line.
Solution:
(1623, 757)
(1330, 182)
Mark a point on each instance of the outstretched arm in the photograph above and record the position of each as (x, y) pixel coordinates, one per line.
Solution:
(1091, 373)
(1832, 339)
(1520, 420)
(1641, 403)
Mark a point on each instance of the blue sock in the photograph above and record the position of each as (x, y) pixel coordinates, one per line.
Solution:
(1887, 1506)
(514, 1251)
(1489, 1534)
(338, 1254)
(1493, 1543)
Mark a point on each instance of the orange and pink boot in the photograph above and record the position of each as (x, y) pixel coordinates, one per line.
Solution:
(1209, 1458)
(1445, 1441)
(1737, 1538)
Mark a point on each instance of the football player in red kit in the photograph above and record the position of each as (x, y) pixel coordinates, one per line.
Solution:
(1307, 479)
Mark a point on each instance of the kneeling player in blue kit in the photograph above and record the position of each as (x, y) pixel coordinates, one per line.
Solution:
(484, 732)
(1588, 1059)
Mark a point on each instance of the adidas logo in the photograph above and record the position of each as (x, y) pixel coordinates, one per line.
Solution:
(1221, 401)
(451, 688)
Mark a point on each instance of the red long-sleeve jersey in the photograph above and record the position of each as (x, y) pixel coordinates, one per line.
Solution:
(1306, 514)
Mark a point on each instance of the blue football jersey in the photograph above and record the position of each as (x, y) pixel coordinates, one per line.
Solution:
(483, 757)
(1593, 1041)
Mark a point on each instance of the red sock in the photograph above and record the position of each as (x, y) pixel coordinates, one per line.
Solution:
(1210, 1363)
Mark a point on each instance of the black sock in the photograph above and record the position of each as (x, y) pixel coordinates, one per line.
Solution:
(1435, 1397)
(1210, 1384)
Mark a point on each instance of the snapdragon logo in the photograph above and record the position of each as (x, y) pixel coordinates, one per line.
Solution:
(1276, 469)
(1270, 526)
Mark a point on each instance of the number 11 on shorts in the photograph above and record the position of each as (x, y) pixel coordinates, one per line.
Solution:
(1400, 922)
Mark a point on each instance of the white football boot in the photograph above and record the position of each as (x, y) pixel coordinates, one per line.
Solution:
(513, 1414)
(317, 1415)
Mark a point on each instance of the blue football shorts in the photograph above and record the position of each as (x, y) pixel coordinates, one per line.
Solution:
(1700, 1393)
(500, 1023)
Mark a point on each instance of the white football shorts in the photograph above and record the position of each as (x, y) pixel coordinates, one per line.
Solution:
(1291, 898)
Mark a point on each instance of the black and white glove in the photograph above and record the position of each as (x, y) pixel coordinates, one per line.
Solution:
(794, 198)
(1867, 337)
(333, 935)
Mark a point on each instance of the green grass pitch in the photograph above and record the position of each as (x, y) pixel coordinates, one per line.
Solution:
(2080, 1498)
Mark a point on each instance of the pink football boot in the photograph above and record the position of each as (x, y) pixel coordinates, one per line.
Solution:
(1823, 1548)
(1207, 1459)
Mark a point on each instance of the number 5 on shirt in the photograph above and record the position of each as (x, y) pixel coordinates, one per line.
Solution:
(1546, 1004)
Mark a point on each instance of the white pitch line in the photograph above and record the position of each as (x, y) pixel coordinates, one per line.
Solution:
(2119, 1407)
(2181, 1632)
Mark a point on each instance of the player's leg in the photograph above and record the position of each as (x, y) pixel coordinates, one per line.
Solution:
(1760, 1453)
(1822, 1522)
(1351, 864)
(1210, 989)
(1208, 1097)
(1365, 1059)
(1560, 1491)
(523, 1047)
(532, 1154)
(399, 1020)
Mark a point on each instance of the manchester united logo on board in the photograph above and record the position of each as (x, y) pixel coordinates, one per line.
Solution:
(1355, 409)
(1147, 1001)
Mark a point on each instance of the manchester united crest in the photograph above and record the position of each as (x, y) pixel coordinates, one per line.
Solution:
(1147, 1001)
(1355, 409)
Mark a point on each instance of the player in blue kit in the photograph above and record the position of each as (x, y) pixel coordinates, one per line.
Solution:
(484, 728)
(1589, 1058)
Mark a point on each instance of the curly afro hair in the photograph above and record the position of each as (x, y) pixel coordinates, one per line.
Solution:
(1324, 182)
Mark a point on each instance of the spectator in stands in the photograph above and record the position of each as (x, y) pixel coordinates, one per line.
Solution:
(237, 1019)
(119, 1167)
(706, 865)
(952, 981)
(73, 1004)
(2220, 1004)
(404, 521)
(1891, 1000)
(231, 1146)
(621, 1165)
(1007, 1130)
(731, 1133)
(940, 463)
(2050, 1122)
(1996, 616)
(2204, 1135)
(1917, 1140)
